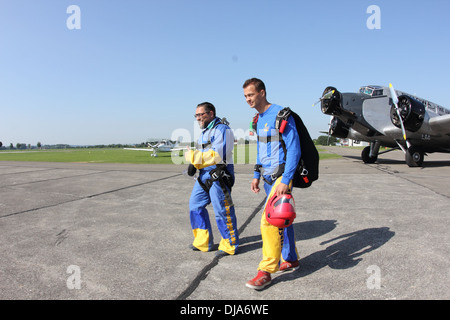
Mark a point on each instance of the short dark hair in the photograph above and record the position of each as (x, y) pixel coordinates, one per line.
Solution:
(208, 107)
(259, 85)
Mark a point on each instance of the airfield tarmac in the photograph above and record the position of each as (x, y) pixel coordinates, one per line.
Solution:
(122, 231)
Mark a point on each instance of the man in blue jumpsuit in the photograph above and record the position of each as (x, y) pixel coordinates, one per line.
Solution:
(277, 166)
(214, 158)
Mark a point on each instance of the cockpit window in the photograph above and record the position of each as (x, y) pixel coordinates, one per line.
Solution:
(378, 92)
(371, 91)
(366, 90)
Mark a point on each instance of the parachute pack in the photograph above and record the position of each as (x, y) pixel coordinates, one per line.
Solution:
(308, 167)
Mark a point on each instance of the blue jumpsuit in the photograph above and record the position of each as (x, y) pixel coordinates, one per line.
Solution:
(277, 243)
(215, 146)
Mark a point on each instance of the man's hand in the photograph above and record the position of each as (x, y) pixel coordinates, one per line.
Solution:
(255, 185)
(281, 188)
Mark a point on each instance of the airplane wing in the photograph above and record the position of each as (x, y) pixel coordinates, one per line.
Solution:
(138, 149)
(440, 124)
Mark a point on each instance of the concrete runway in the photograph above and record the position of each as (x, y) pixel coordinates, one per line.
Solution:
(119, 231)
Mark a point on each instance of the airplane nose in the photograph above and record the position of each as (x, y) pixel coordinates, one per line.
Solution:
(412, 113)
(338, 128)
(331, 101)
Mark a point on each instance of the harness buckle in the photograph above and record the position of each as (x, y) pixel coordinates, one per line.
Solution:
(215, 176)
(284, 113)
(274, 176)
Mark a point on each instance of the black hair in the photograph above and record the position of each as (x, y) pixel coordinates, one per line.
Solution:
(208, 107)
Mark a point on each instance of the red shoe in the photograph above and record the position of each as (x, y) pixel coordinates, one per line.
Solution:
(261, 280)
(289, 266)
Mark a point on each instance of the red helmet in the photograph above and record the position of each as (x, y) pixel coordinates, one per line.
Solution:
(280, 210)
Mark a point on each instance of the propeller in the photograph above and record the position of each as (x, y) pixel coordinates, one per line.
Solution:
(325, 96)
(329, 130)
(397, 109)
(328, 133)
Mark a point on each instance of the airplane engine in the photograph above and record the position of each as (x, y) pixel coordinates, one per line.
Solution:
(331, 102)
(412, 113)
(338, 128)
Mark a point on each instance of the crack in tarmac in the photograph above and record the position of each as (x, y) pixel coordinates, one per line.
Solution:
(205, 271)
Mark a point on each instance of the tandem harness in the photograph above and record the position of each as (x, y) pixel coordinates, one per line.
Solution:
(303, 177)
(274, 176)
(280, 125)
(220, 174)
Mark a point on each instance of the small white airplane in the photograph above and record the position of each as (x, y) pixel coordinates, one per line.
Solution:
(160, 146)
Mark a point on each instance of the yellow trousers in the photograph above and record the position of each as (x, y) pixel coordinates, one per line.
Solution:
(278, 244)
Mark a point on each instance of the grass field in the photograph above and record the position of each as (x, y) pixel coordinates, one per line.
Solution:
(243, 154)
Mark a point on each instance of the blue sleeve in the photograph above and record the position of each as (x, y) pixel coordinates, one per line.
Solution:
(293, 151)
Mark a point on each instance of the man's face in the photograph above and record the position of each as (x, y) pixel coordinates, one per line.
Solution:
(203, 117)
(253, 97)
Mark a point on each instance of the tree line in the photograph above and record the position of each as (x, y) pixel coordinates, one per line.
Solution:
(321, 140)
(39, 145)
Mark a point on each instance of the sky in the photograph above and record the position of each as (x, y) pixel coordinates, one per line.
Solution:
(127, 71)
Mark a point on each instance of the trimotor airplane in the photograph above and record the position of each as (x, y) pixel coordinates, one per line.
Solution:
(160, 146)
(386, 117)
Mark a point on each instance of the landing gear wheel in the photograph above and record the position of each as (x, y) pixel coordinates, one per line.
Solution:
(365, 156)
(414, 157)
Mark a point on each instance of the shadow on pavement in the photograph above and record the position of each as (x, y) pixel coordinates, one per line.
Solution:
(303, 231)
(344, 254)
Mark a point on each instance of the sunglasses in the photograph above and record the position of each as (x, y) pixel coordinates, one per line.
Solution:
(200, 114)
